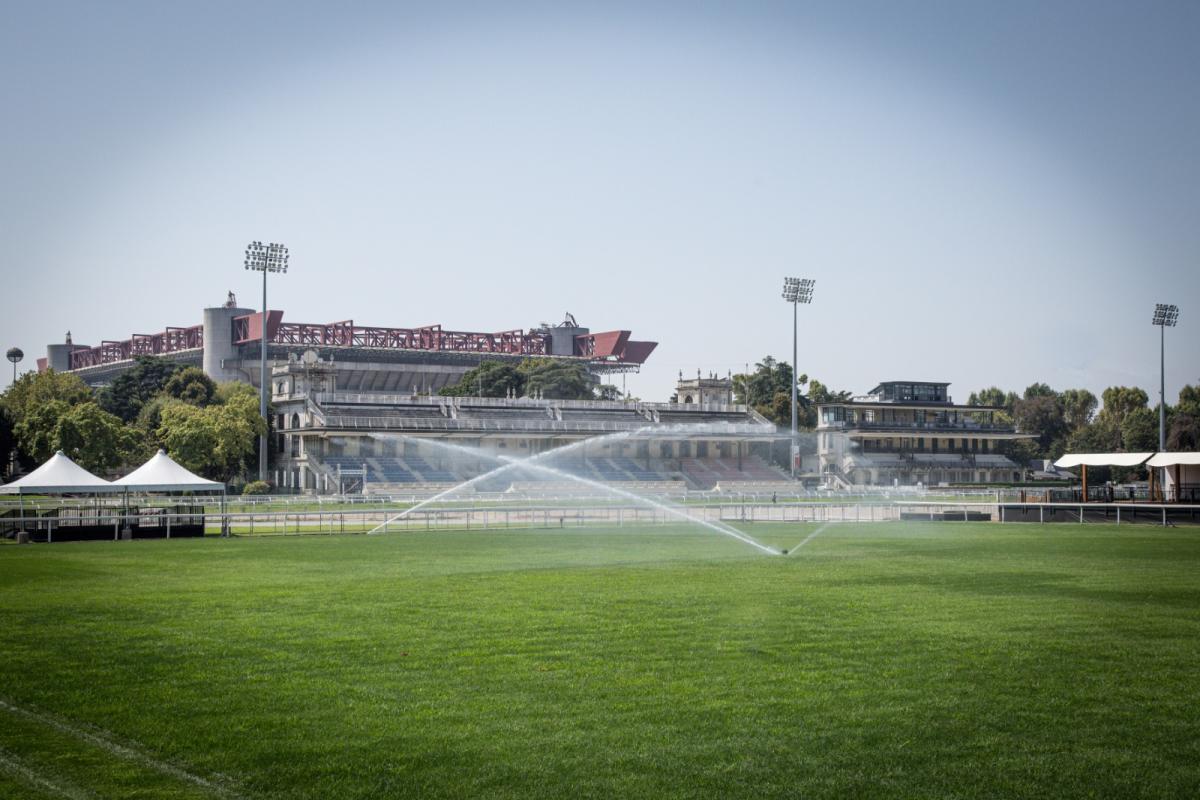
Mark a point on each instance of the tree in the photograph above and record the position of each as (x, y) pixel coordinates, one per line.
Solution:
(1139, 431)
(191, 385)
(768, 390)
(84, 432)
(35, 389)
(1184, 435)
(37, 430)
(8, 438)
(1039, 390)
(992, 396)
(97, 440)
(1119, 401)
(1189, 400)
(606, 391)
(556, 380)
(1041, 415)
(132, 389)
(216, 441)
(489, 379)
(1079, 406)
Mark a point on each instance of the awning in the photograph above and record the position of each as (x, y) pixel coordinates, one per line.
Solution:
(1102, 460)
(162, 474)
(1171, 459)
(59, 475)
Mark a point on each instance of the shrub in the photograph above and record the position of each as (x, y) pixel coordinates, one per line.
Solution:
(256, 487)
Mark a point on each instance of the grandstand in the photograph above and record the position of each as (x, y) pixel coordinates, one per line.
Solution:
(333, 441)
(911, 432)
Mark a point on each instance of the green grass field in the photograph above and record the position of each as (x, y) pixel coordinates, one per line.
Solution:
(886, 660)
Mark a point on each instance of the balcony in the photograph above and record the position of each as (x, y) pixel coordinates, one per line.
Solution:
(960, 426)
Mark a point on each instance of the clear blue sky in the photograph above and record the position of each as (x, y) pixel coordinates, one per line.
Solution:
(986, 193)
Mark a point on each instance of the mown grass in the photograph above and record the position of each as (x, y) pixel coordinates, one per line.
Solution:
(885, 660)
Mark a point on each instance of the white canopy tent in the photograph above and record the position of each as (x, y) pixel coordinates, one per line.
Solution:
(162, 474)
(1102, 460)
(62, 476)
(1181, 475)
(59, 475)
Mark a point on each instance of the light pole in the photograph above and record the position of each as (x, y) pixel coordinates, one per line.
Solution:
(265, 258)
(1165, 316)
(796, 291)
(14, 355)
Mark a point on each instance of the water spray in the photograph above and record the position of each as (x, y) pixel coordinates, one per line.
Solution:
(532, 463)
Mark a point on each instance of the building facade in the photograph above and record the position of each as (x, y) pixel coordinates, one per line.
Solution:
(908, 433)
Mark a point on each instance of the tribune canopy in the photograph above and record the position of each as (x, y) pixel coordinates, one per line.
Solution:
(162, 474)
(1173, 459)
(59, 475)
(1102, 460)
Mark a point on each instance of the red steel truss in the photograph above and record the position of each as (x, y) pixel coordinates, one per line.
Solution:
(346, 334)
(613, 346)
(172, 340)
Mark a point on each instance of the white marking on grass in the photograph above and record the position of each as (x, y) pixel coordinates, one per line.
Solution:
(809, 538)
(15, 766)
(129, 752)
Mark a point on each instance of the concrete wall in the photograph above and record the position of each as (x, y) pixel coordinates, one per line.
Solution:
(58, 356)
(221, 358)
(562, 340)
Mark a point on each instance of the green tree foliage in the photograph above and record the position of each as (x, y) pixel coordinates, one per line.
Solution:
(489, 379)
(97, 440)
(217, 441)
(556, 380)
(1079, 407)
(1139, 431)
(34, 389)
(1039, 390)
(192, 386)
(606, 391)
(1042, 415)
(768, 390)
(1119, 401)
(87, 434)
(1184, 434)
(8, 438)
(992, 396)
(1189, 400)
(37, 430)
(131, 390)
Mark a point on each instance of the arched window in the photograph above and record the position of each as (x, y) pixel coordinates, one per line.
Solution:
(295, 420)
(687, 398)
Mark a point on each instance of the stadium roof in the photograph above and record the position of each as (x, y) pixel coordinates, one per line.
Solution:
(162, 474)
(59, 475)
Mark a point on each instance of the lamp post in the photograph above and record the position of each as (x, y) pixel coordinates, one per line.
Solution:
(1165, 316)
(265, 258)
(14, 355)
(796, 291)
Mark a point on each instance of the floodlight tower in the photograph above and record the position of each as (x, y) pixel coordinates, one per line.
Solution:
(14, 355)
(265, 258)
(796, 291)
(1165, 316)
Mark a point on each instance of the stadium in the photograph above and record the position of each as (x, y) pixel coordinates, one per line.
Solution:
(353, 405)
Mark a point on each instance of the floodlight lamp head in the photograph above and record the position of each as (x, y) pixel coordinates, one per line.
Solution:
(1166, 315)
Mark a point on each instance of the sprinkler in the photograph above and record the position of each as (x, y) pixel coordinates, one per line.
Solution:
(783, 552)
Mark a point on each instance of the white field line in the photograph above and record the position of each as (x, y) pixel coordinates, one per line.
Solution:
(126, 751)
(809, 538)
(15, 766)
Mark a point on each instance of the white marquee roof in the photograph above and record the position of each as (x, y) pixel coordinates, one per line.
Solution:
(1102, 460)
(59, 475)
(1171, 459)
(162, 474)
